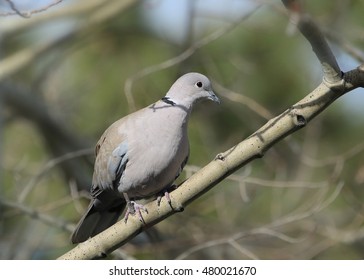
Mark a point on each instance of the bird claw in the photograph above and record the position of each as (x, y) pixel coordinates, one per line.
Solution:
(165, 193)
(135, 208)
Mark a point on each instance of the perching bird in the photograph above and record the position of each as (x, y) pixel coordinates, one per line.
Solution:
(141, 154)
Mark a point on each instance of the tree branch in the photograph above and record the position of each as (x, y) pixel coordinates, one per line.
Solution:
(294, 118)
(33, 213)
(179, 58)
(27, 14)
(222, 166)
(308, 28)
(56, 134)
(15, 62)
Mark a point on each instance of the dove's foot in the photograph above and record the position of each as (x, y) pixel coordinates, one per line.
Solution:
(135, 208)
(165, 193)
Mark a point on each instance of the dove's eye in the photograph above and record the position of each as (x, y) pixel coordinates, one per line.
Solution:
(198, 84)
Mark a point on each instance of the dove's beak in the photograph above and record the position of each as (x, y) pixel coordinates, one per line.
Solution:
(213, 97)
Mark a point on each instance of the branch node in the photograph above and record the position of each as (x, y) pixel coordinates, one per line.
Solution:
(298, 119)
(336, 86)
(220, 156)
(101, 255)
(179, 208)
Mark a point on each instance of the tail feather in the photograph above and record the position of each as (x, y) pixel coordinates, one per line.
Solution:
(93, 222)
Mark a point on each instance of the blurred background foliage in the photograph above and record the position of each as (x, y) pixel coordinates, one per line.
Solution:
(64, 75)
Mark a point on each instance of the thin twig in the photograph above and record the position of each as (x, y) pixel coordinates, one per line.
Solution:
(47, 219)
(266, 183)
(224, 164)
(242, 99)
(310, 30)
(177, 59)
(267, 229)
(312, 162)
(47, 167)
(27, 14)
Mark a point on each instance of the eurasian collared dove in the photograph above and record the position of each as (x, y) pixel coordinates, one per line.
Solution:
(141, 154)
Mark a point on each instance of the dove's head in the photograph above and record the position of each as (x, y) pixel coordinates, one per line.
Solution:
(190, 88)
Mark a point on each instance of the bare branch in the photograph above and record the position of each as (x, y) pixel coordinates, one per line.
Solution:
(334, 159)
(265, 183)
(78, 9)
(177, 59)
(20, 59)
(334, 85)
(346, 46)
(267, 229)
(15, 9)
(222, 166)
(232, 240)
(51, 164)
(55, 133)
(242, 99)
(28, 14)
(309, 29)
(53, 221)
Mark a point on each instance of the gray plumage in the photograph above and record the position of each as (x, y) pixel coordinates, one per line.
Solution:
(141, 154)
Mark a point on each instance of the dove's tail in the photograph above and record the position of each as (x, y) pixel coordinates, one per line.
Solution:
(93, 222)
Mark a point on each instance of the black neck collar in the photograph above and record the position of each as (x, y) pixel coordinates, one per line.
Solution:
(168, 101)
